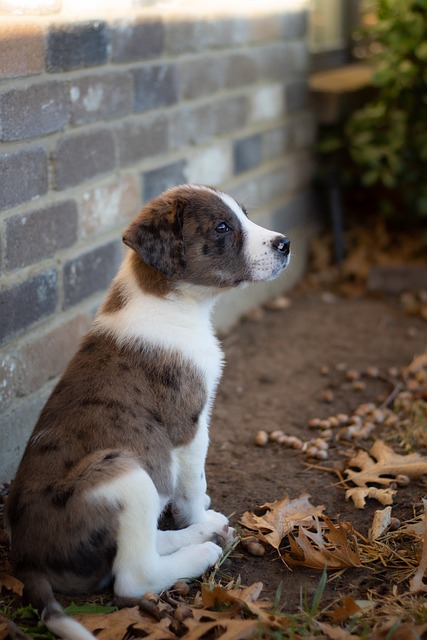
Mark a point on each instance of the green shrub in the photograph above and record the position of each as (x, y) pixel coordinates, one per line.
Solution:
(387, 138)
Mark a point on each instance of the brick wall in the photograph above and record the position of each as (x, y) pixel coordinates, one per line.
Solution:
(98, 116)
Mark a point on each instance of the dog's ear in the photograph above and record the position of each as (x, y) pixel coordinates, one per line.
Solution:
(156, 235)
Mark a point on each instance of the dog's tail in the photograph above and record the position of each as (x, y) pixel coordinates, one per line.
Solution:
(38, 592)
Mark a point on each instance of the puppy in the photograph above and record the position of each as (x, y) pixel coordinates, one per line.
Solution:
(125, 431)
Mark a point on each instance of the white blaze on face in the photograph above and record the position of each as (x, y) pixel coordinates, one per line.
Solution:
(265, 262)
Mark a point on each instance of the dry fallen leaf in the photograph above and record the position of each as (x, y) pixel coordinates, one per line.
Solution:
(335, 548)
(10, 584)
(416, 583)
(380, 522)
(117, 625)
(335, 633)
(381, 466)
(280, 518)
(344, 610)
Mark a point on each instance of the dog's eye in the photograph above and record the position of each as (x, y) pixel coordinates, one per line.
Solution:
(222, 227)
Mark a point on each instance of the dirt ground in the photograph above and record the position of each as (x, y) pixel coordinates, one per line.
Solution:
(272, 380)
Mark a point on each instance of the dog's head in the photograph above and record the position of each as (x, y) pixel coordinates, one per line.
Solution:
(202, 236)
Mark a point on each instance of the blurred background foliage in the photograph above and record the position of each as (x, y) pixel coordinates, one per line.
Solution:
(380, 150)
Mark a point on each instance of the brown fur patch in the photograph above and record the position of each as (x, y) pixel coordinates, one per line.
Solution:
(115, 408)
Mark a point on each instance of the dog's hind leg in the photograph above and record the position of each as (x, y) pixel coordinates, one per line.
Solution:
(138, 566)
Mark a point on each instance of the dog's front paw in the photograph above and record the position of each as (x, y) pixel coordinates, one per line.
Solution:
(222, 533)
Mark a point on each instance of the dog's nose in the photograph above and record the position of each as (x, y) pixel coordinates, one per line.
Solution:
(282, 244)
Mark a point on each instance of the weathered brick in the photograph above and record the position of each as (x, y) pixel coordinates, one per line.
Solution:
(80, 157)
(142, 139)
(15, 428)
(34, 236)
(267, 103)
(265, 28)
(296, 95)
(274, 61)
(108, 205)
(45, 356)
(155, 86)
(299, 57)
(28, 302)
(21, 49)
(192, 125)
(297, 212)
(137, 41)
(277, 142)
(230, 114)
(35, 111)
(8, 379)
(76, 46)
(212, 165)
(295, 24)
(241, 70)
(247, 153)
(185, 35)
(199, 34)
(23, 176)
(90, 272)
(158, 180)
(201, 77)
(304, 130)
(101, 97)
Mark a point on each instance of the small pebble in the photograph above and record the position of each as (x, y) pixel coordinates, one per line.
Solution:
(334, 421)
(182, 612)
(181, 588)
(324, 371)
(342, 418)
(275, 435)
(256, 549)
(328, 396)
(312, 451)
(402, 480)
(314, 423)
(394, 524)
(372, 372)
(359, 385)
(261, 438)
(325, 424)
(352, 374)
(322, 455)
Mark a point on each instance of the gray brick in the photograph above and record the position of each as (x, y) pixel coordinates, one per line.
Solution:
(32, 237)
(295, 24)
(138, 41)
(158, 180)
(277, 142)
(101, 97)
(155, 86)
(192, 125)
(23, 176)
(247, 153)
(21, 48)
(274, 61)
(141, 139)
(35, 111)
(183, 36)
(241, 70)
(78, 158)
(296, 95)
(201, 77)
(90, 272)
(230, 114)
(44, 356)
(227, 32)
(27, 302)
(298, 212)
(16, 426)
(76, 46)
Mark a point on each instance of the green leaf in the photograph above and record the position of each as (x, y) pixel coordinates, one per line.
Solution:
(74, 609)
